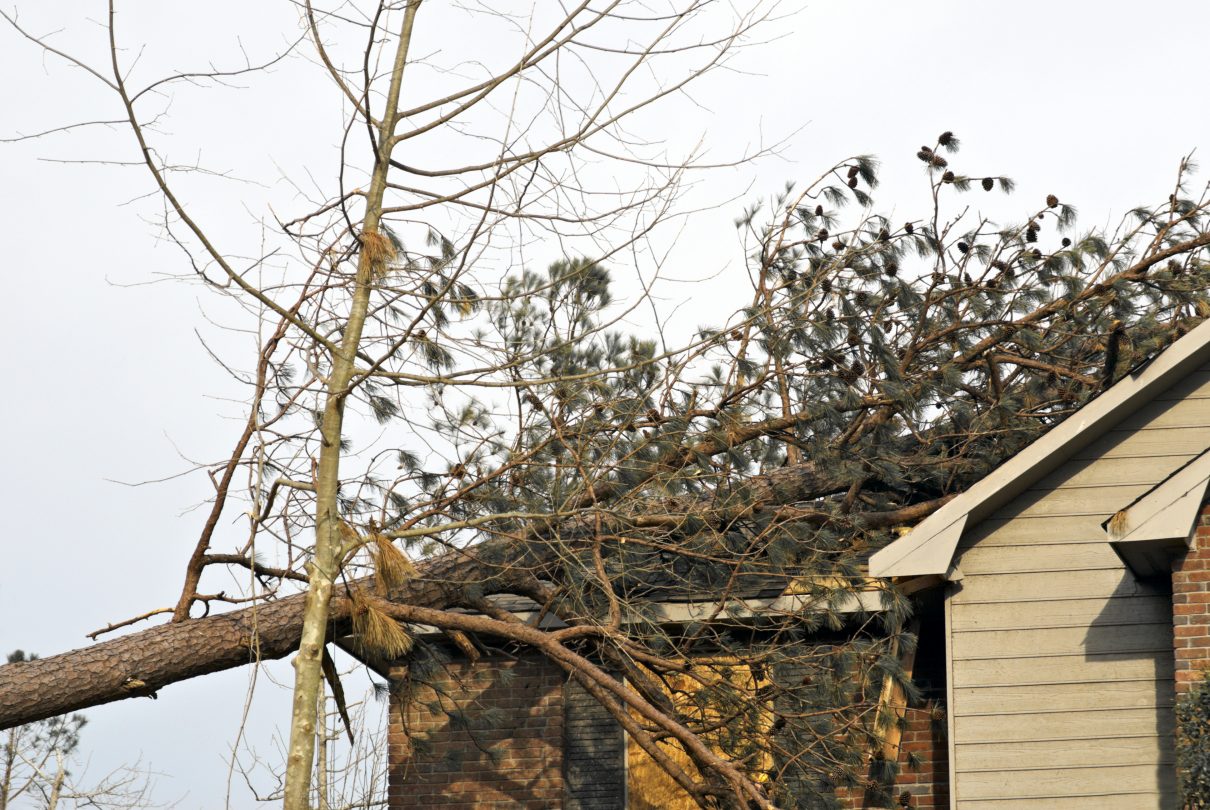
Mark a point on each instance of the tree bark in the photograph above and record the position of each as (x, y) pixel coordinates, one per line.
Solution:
(139, 664)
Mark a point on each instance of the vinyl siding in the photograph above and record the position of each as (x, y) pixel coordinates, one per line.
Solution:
(1061, 661)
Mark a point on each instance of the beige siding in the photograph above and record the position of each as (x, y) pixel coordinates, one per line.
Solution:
(1061, 660)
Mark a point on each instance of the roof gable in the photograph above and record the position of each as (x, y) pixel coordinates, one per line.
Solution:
(929, 548)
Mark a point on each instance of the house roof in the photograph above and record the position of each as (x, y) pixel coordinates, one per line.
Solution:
(928, 550)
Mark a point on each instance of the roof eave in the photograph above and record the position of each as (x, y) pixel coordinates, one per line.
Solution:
(929, 548)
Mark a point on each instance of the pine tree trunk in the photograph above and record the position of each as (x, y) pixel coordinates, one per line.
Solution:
(141, 663)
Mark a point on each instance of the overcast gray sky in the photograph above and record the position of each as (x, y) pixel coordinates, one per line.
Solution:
(106, 381)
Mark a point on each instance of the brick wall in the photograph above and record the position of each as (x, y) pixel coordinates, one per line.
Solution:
(464, 761)
(923, 777)
(923, 780)
(1191, 607)
(923, 774)
(501, 747)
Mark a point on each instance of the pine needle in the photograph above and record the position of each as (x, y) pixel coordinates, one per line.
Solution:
(377, 631)
(379, 250)
(392, 568)
(1117, 524)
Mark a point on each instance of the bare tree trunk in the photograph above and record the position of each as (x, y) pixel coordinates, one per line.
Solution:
(56, 788)
(321, 754)
(10, 758)
(329, 546)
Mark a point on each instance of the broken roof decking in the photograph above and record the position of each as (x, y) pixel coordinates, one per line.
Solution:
(929, 548)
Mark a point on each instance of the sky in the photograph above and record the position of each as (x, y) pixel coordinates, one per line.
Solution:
(108, 379)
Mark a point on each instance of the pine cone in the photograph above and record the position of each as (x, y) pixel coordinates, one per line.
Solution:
(938, 161)
(1031, 234)
(909, 227)
(1051, 201)
(853, 172)
(988, 183)
(963, 247)
(891, 269)
(852, 182)
(819, 210)
(1066, 242)
(826, 285)
(948, 177)
(838, 246)
(862, 298)
(946, 138)
(883, 235)
(822, 235)
(925, 155)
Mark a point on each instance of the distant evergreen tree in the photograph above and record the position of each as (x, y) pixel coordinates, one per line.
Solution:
(32, 756)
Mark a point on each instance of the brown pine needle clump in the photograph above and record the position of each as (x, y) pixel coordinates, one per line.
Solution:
(377, 631)
(379, 250)
(392, 568)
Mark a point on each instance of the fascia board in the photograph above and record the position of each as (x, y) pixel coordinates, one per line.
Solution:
(928, 549)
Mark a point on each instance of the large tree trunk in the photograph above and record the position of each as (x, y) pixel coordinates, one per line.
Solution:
(138, 664)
